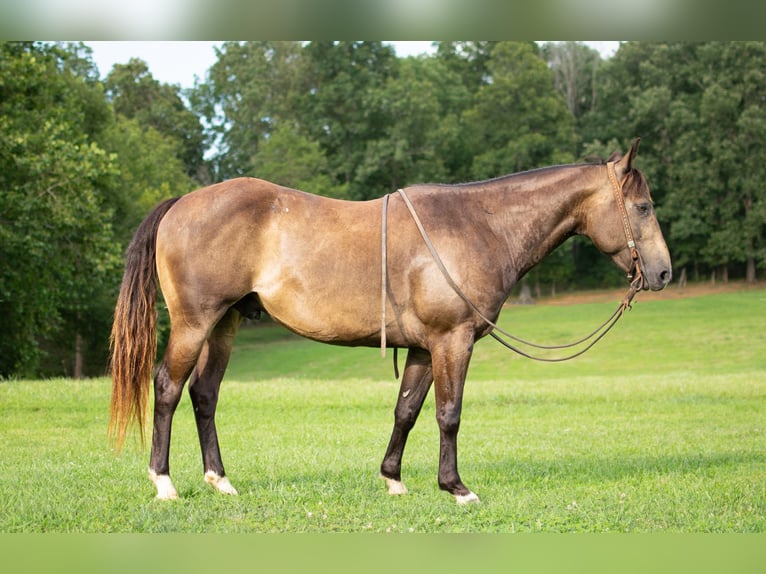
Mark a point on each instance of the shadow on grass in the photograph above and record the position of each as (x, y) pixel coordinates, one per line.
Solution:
(513, 474)
(579, 470)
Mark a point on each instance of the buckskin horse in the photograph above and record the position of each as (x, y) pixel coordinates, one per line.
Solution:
(328, 270)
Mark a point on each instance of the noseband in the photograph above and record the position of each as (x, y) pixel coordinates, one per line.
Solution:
(635, 276)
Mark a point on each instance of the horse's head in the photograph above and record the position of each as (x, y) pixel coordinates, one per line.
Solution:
(630, 235)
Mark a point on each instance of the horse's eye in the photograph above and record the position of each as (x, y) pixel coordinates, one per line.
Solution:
(644, 208)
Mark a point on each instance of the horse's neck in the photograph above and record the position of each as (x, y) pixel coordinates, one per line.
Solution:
(537, 211)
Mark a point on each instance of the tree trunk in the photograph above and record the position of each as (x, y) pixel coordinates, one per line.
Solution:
(78, 370)
(525, 298)
(750, 272)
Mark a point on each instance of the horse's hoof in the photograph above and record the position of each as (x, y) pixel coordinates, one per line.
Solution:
(395, 487)
(466, 498)
(165, 488)
(220, 483)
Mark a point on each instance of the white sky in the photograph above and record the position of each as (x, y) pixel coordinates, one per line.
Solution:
(180, 62)
(169, 62)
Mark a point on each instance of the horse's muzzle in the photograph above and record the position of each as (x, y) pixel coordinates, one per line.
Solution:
(657, 280)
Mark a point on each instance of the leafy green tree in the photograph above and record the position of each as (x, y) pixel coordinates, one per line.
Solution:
(519, 120)
(733, 115)
(157, 146)
(250, 90)
(57, 252)
(343, 111)
(425, 101)
(292, 160)
(468, 61)
(135, 94)
(148, 170)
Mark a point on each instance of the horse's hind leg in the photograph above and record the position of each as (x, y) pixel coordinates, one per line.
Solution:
(203, 389)
(416, 381)
(183, 349)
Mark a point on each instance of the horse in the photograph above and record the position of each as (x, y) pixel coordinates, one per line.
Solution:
(327, 270)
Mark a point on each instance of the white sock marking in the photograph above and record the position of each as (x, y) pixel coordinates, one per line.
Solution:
(220, 483)
(395, 487)
(165, 488)
(466, 498)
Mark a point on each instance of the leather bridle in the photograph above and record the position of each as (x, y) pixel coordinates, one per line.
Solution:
(635, 276)
(634, 272)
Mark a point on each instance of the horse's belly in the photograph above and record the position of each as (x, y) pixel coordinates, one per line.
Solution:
(322, 315)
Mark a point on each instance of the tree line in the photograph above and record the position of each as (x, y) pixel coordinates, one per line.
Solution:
(84, 158)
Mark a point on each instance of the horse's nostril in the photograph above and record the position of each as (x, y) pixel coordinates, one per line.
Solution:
(665, 276)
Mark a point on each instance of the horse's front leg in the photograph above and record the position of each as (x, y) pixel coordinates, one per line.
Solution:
(416, 381)
(450, 357)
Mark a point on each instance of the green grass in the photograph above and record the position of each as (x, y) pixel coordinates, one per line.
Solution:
(661, 427)
(710, 334)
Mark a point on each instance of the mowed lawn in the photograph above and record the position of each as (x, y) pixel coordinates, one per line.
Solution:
(659, 428)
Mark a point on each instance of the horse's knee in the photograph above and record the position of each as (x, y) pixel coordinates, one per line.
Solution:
(448, 419)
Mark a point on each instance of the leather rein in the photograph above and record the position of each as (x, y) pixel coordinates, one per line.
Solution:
(634, 275)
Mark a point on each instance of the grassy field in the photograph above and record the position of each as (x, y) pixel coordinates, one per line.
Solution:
(659, 428)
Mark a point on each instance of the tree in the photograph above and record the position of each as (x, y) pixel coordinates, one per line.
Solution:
(148, 169)
(157, 147)
(575, 67)
(733, 112)
(423, 140)
(76, 178)
(136, 95)
(519, 121)
(292, 160)
(57, 252)
(251, 89)
(752, 198)
(468, 61)
(342, 108)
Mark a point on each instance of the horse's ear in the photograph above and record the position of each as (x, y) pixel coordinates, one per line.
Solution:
(626, 162)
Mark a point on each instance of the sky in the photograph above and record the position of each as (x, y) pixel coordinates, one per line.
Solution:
(179, 63)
